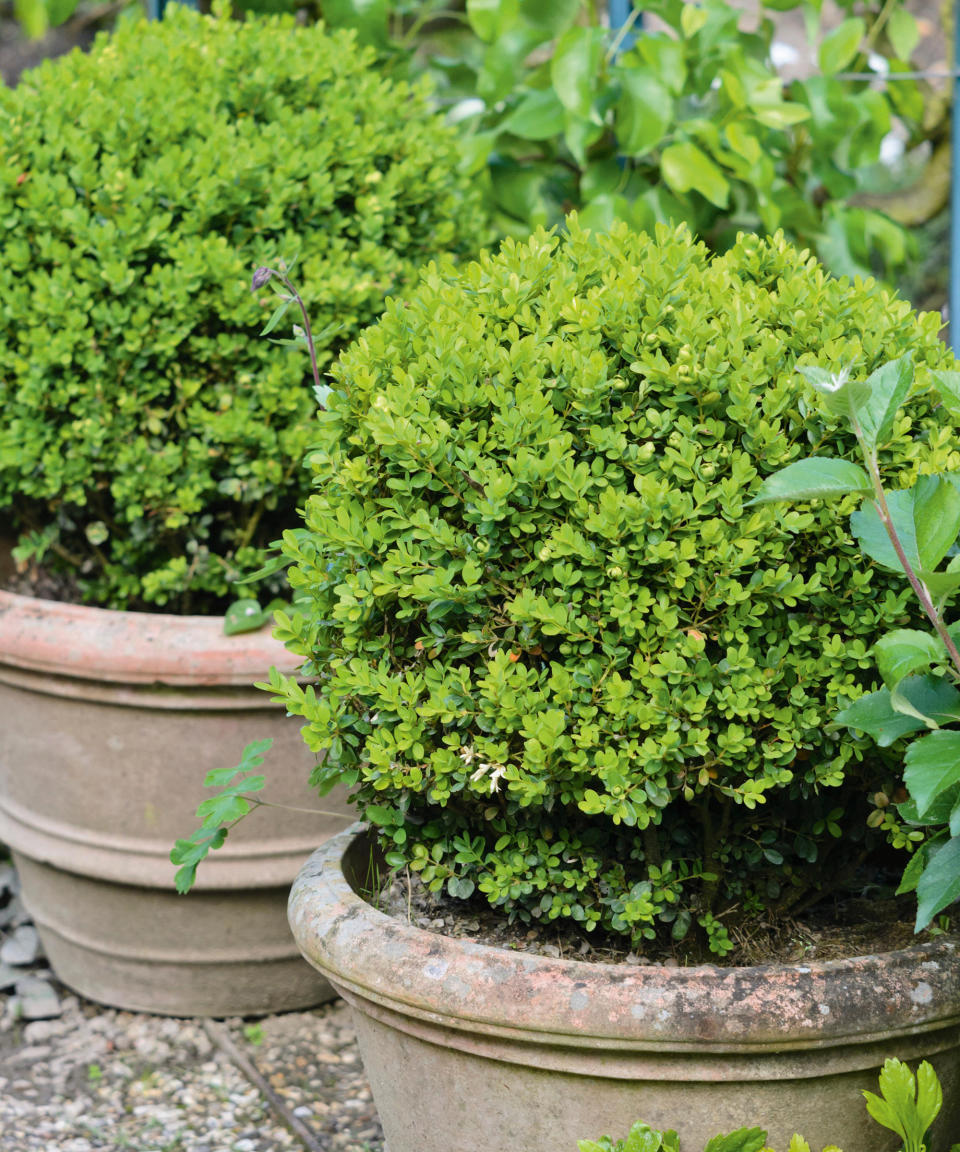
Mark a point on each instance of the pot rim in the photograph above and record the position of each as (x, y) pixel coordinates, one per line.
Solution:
(76, 640)
(446, 980)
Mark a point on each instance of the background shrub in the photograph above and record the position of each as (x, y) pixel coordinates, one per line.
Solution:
(150, 441)
(562, 660)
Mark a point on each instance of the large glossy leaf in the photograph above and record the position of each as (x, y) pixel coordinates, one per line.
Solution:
(818, 477)
(903, 32)
(939, 884)
(872, 537)
(370, 18)
(947, 383)
(490, 18)
(841, 46)
(932, 765)
(887, 390)
(553, 17)
(686, 167)
(575, 67)
(643, 112)
(936, 517)
(538, 116)
(905, 651)
(875, 715)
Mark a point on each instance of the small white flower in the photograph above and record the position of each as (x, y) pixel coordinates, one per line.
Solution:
(496, 775)
(837, 380)
(467, 755)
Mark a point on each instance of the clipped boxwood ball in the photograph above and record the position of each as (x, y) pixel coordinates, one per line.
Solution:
(562, 661)
(151, 442)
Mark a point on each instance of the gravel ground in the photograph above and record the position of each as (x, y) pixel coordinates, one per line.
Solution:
(84, 1078)
(96, 1079)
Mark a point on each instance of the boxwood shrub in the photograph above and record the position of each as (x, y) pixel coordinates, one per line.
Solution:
(150, 443)
(563, 662)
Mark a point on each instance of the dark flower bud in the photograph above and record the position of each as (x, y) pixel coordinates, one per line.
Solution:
(260, 277)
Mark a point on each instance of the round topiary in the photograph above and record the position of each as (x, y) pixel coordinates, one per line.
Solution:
(150, 443)
(561, 659)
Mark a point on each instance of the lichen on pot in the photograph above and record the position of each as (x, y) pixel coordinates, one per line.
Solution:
(527, 1051)
(562, 664)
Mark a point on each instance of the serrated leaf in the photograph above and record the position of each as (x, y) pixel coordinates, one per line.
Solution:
(223, 809)
(816, 478)
(642, 1138)
(932, 765)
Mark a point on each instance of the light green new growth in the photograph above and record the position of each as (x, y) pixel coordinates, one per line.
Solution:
(906, 1106)
(150, 444)
(562, 661)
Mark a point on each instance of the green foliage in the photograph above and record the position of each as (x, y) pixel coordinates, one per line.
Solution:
(911, 531)
(561, 660)
(36, 17)
(693, 122)
(150, 442)
(218, 812)
(906, 1106)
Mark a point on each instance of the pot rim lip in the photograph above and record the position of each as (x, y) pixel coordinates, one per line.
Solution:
(91, 643)
(405, 967)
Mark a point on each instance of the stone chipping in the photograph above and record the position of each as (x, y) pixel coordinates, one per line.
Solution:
(78, 1077)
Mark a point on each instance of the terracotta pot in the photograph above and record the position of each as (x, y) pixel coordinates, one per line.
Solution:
(472, 1046)
(109, 722)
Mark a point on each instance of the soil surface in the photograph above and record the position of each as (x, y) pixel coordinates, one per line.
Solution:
(856, 926)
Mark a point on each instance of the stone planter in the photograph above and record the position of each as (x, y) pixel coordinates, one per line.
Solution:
(109, 722)
(471, 1046)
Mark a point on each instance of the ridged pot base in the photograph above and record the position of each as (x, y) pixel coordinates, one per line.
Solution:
(109, 722)
(470, 1046)
(213, 953)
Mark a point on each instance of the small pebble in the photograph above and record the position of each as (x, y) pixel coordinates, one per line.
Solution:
(21, 947)
(38, 1000)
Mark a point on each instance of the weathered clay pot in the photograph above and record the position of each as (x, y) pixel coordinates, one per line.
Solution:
(468, 1046)
(108, 723)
